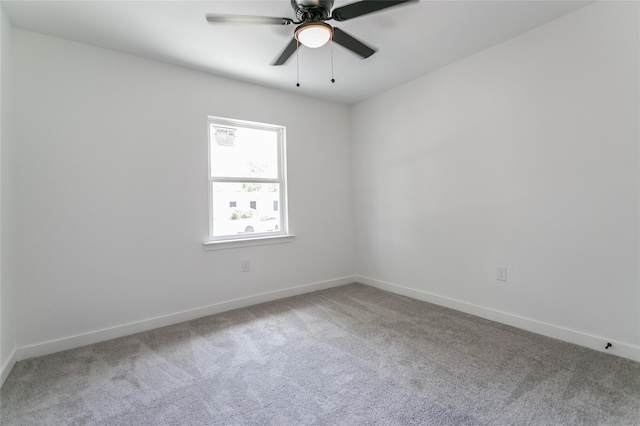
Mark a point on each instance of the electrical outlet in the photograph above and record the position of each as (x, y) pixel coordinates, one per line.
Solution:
(501, 273)
(246, 266)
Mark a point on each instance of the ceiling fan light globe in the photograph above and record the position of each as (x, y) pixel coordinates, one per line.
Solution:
(314, 35)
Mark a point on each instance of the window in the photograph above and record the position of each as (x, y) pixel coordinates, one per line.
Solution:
(246, 180)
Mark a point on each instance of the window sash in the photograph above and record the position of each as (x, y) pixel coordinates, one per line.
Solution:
(280, 180)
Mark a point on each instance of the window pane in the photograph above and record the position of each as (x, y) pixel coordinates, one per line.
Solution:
(243, 219)
(243, 152)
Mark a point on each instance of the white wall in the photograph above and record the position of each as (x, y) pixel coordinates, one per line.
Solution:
(524, 155)
(7, 197)
(111, 171)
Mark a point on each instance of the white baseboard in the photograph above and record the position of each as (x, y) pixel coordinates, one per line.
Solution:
(79, 340)
(7, 367)
(549, 330)
(579, 338)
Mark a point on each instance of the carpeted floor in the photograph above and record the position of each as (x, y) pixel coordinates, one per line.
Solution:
(351, 355)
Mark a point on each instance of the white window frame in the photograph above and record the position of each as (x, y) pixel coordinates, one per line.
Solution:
(258, 238)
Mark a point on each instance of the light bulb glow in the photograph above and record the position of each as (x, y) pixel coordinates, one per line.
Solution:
(314, 35)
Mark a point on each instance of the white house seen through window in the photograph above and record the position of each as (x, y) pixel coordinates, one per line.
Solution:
(247, 184)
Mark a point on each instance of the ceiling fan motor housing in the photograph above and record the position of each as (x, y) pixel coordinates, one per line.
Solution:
(312, 10)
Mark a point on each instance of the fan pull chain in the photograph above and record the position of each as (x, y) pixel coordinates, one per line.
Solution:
(333, 80)
(297, 62)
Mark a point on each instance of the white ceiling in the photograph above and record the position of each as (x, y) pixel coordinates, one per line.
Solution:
(411, 40)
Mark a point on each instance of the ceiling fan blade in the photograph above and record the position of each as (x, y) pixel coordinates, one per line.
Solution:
(287, 52)
(351, 43)
(364, 7)
(247, 19)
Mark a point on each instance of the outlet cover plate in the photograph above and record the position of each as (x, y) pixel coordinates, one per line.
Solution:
(501, 273)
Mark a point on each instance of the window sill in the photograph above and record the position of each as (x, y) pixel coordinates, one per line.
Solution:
(249, 242)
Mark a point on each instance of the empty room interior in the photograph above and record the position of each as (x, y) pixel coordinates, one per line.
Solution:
(444, 227)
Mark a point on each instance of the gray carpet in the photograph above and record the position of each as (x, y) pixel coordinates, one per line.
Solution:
(343, 356)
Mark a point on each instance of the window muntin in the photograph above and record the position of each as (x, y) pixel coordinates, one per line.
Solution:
(246, 180)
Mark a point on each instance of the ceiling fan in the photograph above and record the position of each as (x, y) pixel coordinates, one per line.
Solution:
(312, 30)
